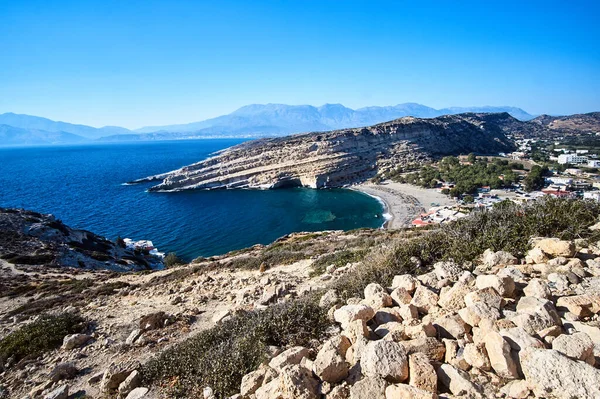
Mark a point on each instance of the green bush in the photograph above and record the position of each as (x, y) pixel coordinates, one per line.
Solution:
(42, 335)
(507, 227)
(339, 259)
(221, 356)
(172, 260)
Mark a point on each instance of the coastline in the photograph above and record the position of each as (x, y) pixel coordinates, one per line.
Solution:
(402, 202)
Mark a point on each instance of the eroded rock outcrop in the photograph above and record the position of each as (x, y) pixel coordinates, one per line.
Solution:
(336, 158)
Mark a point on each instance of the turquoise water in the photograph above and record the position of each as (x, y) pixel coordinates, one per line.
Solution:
(83, 186)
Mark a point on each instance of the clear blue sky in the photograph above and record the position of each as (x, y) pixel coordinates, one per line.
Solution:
(135, 63)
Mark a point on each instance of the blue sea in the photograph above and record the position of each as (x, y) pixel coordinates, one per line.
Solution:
(83, 186)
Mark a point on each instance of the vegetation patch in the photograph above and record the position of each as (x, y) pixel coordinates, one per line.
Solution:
(507, 227)
(221, 356)
(44, 334)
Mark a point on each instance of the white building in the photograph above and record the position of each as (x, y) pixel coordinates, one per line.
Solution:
(594, 163)
(572, 159)
(593, 195)
(559, 180)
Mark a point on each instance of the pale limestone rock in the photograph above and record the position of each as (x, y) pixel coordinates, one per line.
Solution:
(519, 339)
(504, 285)
(422, 330)
(580, 305)
(137, 393)
(387, 315)
(115, 374)
(489, 296)
(401, 296)
(408, 312)
(453, 298)
(355, 330)
(294, 382)
(537, 288)
(368, 388)
(536, 256)
(447, 270)
(474, 314)
(457, 381)
(556, 247)
(535, 314)
(421, 373)
(578, 346)
(251, 382)
(492, 259)
(403, 391)
(133, 380)
(330, 364)
(516, 389)
(349, 313)
(476, 356)
(454, 354)
(385, 359)
(431, 347)
(428, 279)
(405, 281)
(384, 329)
(424, 299)
(551, 374)
(498, 351)
(451, 326)
(75, 341)
(288, 357)
(377, 297)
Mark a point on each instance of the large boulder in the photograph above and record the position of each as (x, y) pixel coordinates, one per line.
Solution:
(504, 285)
(385, 359)
(500, 356)
(405, 281)
(424, 299)
(368, 388)
(578, 346)
(73, 341)
(421, 373)
(491, 259)
(580, 305)
(288, 357)
(457, 381)
(447, 270)
(553, 375)
(377, 297)
(348, 313)
(556, 247)
(330, 364)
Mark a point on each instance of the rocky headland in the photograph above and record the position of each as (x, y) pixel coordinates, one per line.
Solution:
(31, 238)
(340, 157)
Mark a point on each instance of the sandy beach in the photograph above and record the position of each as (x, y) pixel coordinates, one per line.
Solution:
(404, 202)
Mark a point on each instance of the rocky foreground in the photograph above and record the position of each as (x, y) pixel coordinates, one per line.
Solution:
(513, 328)
(340, 157)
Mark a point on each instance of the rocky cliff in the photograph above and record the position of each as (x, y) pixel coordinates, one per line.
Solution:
(31, 238)
(339, 157)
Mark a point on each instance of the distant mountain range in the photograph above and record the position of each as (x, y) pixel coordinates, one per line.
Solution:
(251, 121)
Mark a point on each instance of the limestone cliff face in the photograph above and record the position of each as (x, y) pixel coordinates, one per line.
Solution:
(336, 158)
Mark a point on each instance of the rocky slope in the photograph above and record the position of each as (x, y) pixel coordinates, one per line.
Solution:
(133, 316)
(31, 238)
(336, 158)
(512, 328)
